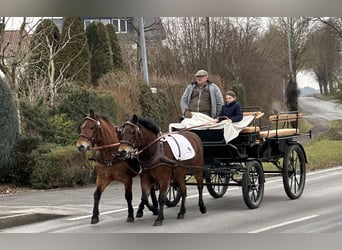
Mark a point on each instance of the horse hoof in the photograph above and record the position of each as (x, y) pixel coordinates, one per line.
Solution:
(180, 216)
(139, 214)
(130, 219)
(94, 220)
(158, 223)
(203, 209)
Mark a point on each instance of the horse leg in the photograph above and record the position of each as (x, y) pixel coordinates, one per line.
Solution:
(182, 188)
(199, 180)
(129, 197)
(161, 202)
(100, 187)
(145, 189)
(143, 201)
(154, 207)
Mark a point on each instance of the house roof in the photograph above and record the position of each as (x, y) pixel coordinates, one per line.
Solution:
(10, 43)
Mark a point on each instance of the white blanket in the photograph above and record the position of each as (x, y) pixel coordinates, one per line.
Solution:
(202, 121)
(180, 146)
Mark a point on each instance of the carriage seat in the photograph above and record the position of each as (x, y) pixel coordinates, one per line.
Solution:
(279, 132)
(281, 124)
(254, 128)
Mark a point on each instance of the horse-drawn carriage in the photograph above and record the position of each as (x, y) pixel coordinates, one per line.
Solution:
(239, 162)
(216, 157)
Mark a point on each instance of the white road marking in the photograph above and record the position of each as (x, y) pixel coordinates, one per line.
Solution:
(284, 224)
(204, 194)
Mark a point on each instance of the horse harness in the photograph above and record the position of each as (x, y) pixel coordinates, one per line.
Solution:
(111, 162)
(158, 158)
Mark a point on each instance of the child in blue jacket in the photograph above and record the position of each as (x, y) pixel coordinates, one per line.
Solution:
(231, 110)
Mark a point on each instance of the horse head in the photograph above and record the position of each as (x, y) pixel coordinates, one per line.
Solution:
(129, 135)
(95, 130)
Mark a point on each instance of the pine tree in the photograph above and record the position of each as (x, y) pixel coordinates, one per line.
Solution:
(115, 47)
(9, 128)
(73, 59)
(101, 55)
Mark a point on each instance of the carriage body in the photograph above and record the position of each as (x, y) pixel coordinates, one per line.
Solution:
(240, 161)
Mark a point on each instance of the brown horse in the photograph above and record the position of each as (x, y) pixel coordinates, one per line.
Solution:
(97, 131)
(142, 138)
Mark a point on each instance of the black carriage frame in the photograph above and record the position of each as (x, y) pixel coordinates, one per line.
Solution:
(239, 162)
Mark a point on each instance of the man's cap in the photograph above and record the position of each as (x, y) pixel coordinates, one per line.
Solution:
(201, 73)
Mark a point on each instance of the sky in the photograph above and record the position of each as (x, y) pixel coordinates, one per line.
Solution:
(304, 79)
(307, 79)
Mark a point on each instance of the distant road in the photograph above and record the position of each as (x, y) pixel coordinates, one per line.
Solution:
(319, 112)
(323, 109)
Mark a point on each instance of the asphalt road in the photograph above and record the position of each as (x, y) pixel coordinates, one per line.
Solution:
(318, 210)
(69, 210)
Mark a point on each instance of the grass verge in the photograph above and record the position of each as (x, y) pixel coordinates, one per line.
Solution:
(326, 151)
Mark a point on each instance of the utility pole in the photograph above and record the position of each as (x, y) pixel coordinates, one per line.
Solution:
(143, 50)
(289, 45)
(208, 46)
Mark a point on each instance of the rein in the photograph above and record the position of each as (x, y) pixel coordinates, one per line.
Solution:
(105, 146)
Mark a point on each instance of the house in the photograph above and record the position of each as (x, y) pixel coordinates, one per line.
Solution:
(12, 43)
(127, 28)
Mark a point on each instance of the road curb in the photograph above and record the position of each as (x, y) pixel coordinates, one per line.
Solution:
(13, 220)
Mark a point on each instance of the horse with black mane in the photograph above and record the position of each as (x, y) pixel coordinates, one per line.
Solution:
(142, 139)
(98, 134)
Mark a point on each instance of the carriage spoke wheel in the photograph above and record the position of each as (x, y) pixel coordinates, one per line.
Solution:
(217, 184)
(253, 184)
(294, 171)
(173, 195)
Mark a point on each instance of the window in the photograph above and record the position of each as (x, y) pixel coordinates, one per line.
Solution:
(89, 21)
(120, 25)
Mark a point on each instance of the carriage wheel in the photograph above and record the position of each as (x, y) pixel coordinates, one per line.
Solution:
(173, 195)
(253, 184)
(217, 184)
(294, 171)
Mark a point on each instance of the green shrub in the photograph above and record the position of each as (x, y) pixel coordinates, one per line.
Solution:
(154, 106)
(36, 120)
(22, 170)
(9, 130)
(58, 166)
(81, 100)
(65, 132)
(239, 89)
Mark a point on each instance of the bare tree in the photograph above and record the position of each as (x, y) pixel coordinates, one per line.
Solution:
(46, 69)
(325, 53)
(152, 26)
(10, 66)
(324, 58)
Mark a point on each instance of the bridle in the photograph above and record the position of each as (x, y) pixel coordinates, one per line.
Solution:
(136, 152)
(96, 130)
(137, 133)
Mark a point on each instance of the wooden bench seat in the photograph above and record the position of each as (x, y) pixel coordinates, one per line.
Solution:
(253, 128)
(280, 125)
(250, 129)
(279, 132)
